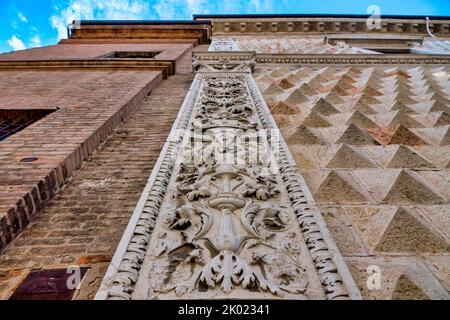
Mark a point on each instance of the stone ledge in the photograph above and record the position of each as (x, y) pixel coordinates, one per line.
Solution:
(321, 25)
(166, 67)
(352, 59)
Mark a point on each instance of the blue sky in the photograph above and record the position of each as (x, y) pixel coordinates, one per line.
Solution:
(31, 23)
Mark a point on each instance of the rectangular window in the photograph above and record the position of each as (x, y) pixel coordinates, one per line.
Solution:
(130, 55)
(13, 121)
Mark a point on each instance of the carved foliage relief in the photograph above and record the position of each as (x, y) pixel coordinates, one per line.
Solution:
(226, 229)
(228, 223)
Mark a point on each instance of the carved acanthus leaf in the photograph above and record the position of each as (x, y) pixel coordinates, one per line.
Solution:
(192, 219)
(263, 222)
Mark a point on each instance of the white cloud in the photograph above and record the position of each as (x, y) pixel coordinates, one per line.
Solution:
(22, 17)
(198, 6)
(16, 43)
(98, 9)
(35, 41)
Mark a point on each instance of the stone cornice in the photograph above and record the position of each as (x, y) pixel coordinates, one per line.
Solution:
(166, 67)
(192, 30)
(321, 59)
(215, 55)
(352, 59)
(302, 25)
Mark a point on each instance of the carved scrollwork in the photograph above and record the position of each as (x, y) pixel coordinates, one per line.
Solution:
(221, 227)
(193, 220)
(228, 269)
(238, 198)
(191, 183)
(262, 187)
(263, 222)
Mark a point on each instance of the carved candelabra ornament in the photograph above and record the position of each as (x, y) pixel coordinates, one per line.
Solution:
(228, 231)
(226, 219)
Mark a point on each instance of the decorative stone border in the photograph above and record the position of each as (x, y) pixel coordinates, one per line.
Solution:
(124, 270)
(351, 59)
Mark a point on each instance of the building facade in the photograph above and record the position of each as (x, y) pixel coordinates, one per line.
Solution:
(228, 157)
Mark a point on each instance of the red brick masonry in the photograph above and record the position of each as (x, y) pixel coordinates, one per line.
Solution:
(83, 224)
(89, 105)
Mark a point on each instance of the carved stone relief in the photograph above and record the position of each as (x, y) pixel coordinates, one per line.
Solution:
(229, 217)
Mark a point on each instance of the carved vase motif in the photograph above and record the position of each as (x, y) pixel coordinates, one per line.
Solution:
(226, 217)
(229, 230)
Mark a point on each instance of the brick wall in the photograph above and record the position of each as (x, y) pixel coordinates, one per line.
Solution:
(84, 223)
(91, 105)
